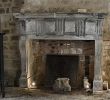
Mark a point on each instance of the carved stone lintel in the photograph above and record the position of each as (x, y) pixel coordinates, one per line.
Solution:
(22, 47)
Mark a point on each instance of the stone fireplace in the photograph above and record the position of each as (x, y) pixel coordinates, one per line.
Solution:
(54, 45)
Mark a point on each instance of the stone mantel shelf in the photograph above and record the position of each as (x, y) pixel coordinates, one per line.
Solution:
(59, 15)
(60, 37)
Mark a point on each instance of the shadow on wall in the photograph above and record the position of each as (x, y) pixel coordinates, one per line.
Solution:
(16, 80)
(13, 78)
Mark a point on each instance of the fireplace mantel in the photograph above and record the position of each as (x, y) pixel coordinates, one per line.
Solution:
(61, 26)
(75, 26)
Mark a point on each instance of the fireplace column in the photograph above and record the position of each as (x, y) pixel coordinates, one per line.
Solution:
(22, 47)
(98, 82)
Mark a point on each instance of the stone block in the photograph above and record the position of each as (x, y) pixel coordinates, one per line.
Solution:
(7, 5)
(6, 31)
(5, 47)
(12, 31)
(15, 38)
(15, 9)
(62, 85)
(4, 0)
(107, 47)
(106, 43)
(11, 66)
(9, 82)
(1, 5)
(97, 86)
(5, 38)
(2, 10)
(7, 10)
(10, 75)
(19, 2)
(6, 56)
(82, 10)
(9, 55)
(14, 47)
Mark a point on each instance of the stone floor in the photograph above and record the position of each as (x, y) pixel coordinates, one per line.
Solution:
(25, 94)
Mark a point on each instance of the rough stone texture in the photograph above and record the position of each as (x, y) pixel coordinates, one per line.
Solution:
(25, 94)
(106, 61)
(62, 85)
(64, 5)
(11, 50)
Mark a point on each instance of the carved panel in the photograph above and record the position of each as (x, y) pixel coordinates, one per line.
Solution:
(70, 26)
(49, 26)
(30, 26)
(90, 28)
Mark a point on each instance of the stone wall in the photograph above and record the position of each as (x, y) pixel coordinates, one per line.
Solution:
(65, 5)
(11, 51)
(106, 61)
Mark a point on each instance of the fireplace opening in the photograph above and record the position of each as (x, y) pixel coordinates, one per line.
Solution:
(48, 60)
(63, 66)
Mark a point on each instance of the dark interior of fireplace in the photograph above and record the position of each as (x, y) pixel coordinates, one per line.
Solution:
(62, 66)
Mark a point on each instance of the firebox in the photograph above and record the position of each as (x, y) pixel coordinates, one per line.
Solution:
(61, 66)
(61, 45)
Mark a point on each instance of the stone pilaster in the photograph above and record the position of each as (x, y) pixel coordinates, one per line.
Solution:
(98, 82)
(22, 47)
